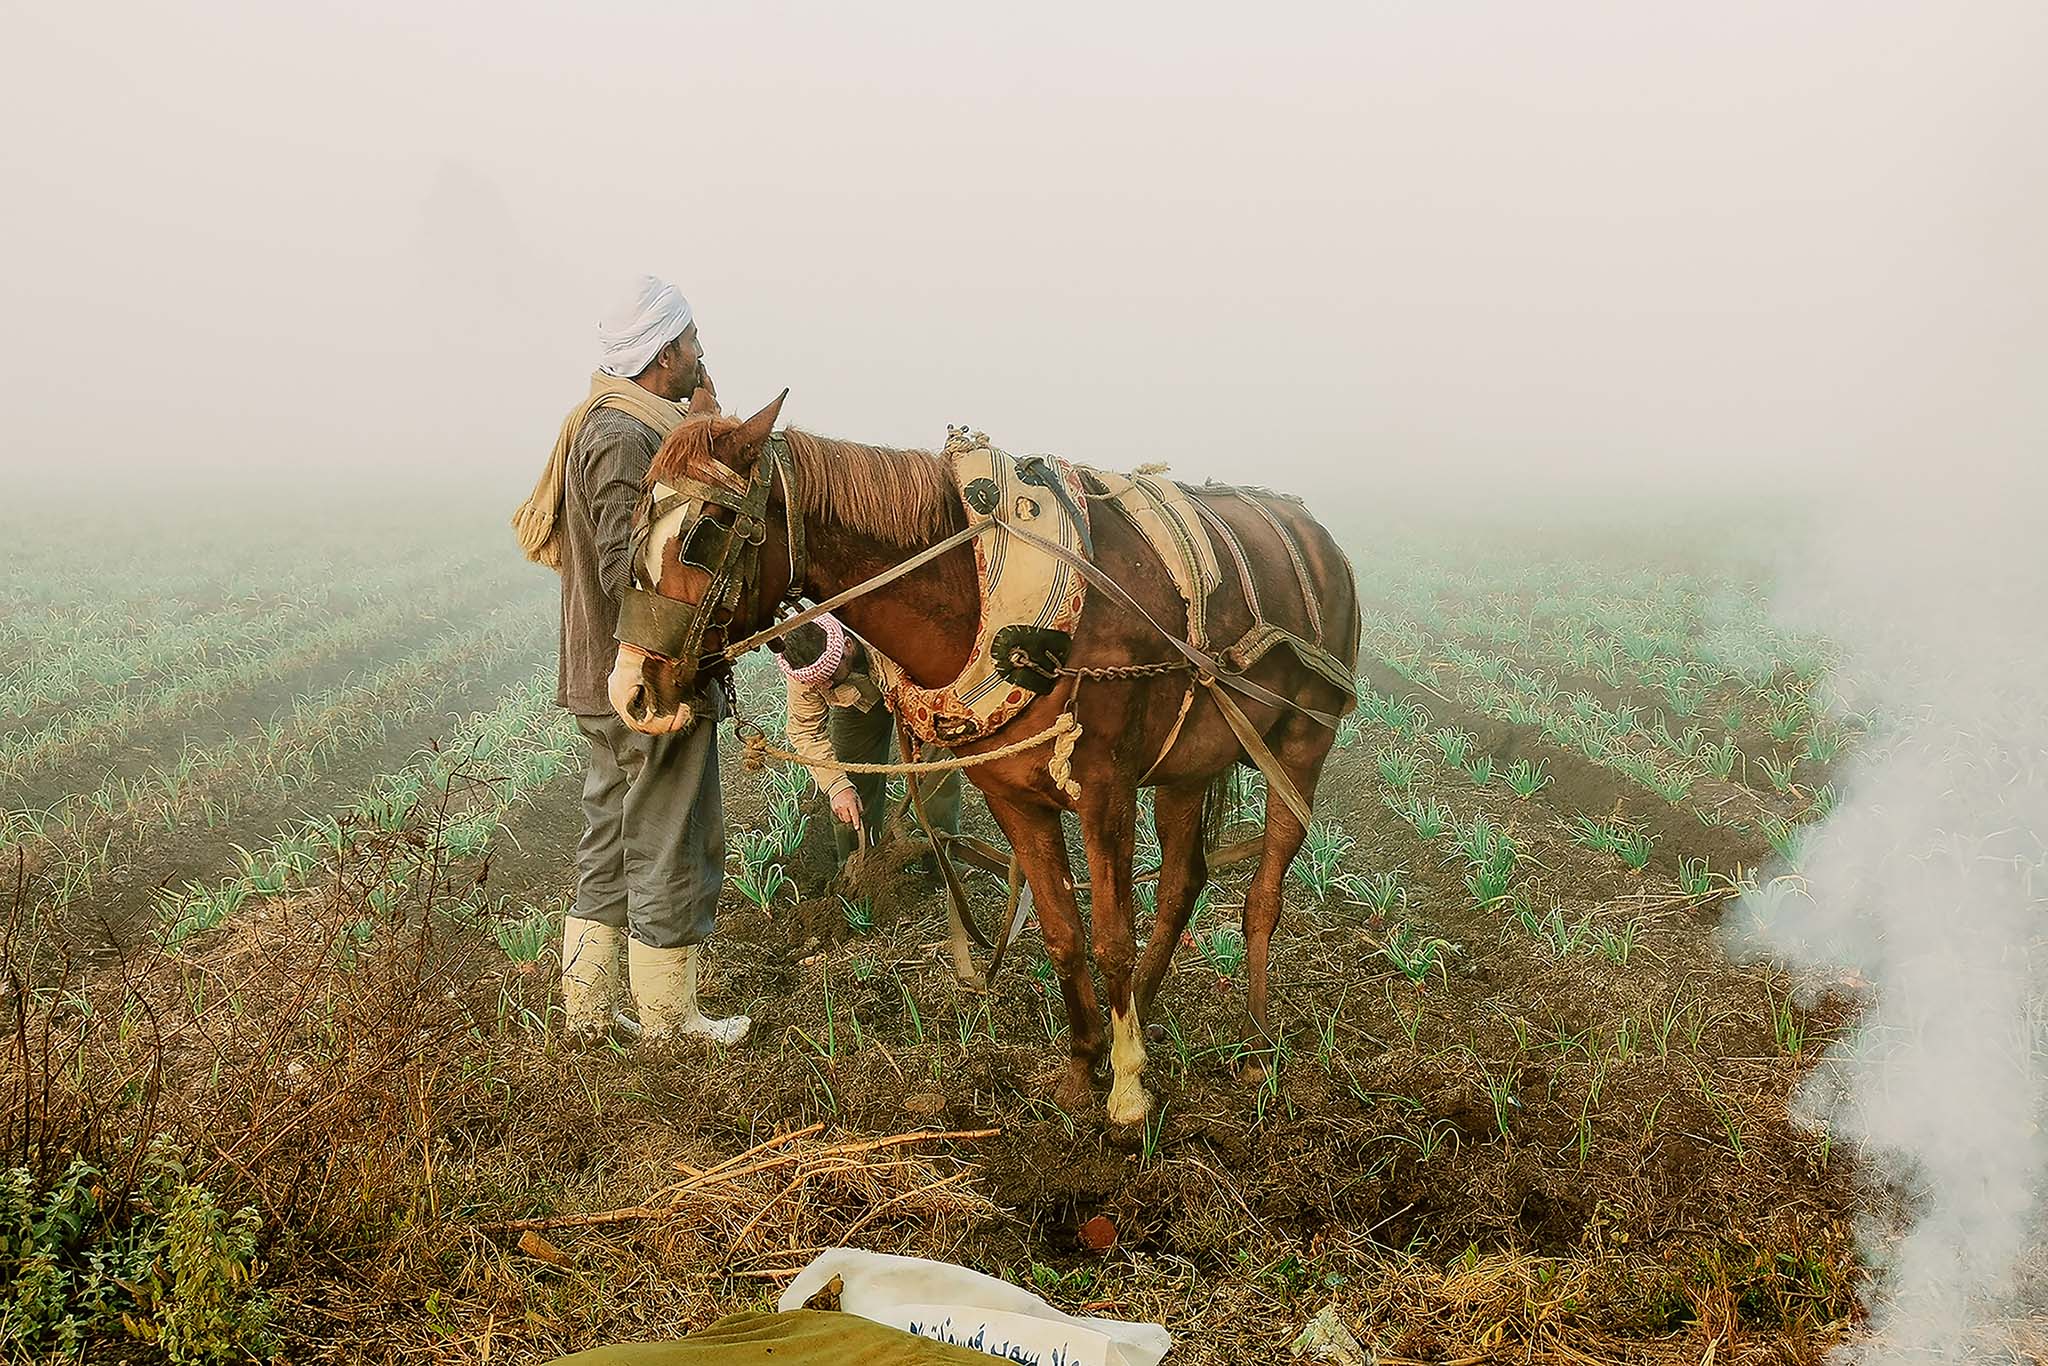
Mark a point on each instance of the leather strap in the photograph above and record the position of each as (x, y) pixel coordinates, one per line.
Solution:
(1207, 673)
(1294, 554)
(955, 893)
(1203, 661)
(1245, 580)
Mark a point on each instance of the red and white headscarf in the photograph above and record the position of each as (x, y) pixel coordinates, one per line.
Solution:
(821, 669)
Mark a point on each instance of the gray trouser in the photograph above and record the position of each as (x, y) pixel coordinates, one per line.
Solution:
(652, 856)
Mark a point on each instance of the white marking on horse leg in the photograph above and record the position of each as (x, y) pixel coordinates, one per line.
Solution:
(1128, 1102)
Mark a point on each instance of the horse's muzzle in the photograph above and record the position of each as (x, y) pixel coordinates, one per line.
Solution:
(632, 697)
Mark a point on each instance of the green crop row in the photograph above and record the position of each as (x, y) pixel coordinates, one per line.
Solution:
(494, 760)
(77, 842)
(96, 729)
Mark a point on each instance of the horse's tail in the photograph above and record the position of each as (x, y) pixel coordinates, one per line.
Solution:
(1217, 800)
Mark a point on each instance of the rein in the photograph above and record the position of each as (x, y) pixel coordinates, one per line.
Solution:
(864, 587)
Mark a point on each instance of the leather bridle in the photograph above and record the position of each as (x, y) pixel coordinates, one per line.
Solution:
(727, 550)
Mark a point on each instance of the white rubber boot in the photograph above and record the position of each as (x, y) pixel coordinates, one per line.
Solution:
(590, 976)
(665, 990)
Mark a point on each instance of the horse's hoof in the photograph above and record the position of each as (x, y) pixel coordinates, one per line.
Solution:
(1129, 1105)
(966, 973)
(1074, 1093)
(1251, 1069)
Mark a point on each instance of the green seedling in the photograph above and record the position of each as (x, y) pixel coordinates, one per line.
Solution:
(1318, 868)
(760, 879)
(1398, 767)
(1382, 891)
(1224, 949)
(910, 1009)
(1785, 838)
(1616, 945)
(1487, 883)
(1453, 744)
(1430, 819)
(1415, 956)
(1595, 835)
(1527, 779)
(1674, 785)
(1482, 842)
(1564, 939)
(1500, 1090)
(1824, 744)
(1633, 848)
(524, 940)
(1780, 774)
(1786, 1026)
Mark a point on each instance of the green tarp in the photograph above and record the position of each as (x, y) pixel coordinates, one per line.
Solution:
(802, 1337)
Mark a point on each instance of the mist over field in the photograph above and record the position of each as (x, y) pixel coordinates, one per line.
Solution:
(1737, 311)
(1646, 247)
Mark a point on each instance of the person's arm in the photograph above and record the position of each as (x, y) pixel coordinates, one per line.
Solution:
(614, 472)
(807, 736)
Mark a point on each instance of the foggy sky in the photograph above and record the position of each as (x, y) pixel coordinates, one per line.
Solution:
(1335, 246)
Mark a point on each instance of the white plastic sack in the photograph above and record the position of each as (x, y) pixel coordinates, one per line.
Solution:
(952, 1304)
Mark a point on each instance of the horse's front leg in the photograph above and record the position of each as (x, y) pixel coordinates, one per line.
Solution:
(1041, 848)
(1108, 827)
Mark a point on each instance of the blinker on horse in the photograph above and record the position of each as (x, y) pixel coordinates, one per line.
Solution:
(741, 519)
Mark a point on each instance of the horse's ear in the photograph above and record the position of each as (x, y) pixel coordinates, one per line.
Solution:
(703, 403)
(739, 448)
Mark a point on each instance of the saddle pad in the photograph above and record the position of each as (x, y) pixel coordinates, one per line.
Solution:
(1030, 599)
(1165, 512)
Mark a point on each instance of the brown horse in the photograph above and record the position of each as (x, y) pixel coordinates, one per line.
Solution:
(837, 513)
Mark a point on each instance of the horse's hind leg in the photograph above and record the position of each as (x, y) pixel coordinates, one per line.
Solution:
(1300, 745)
(1041, 848)
(1183, 869)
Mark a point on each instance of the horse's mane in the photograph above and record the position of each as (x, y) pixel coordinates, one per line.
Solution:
(904, 497)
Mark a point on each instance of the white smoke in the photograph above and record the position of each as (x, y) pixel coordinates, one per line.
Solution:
(1930, 881)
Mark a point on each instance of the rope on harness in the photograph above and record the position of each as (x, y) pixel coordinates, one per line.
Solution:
(759, 753)
(1163, 666)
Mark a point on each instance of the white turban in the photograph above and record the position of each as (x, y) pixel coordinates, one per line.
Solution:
(653, 314)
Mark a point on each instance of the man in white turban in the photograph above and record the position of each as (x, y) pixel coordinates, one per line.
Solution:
(646, 322)
(652, 857)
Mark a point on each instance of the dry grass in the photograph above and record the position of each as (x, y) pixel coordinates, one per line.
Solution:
(442, 1182)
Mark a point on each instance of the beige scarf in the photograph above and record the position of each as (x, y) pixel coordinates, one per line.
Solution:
(537, 519)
